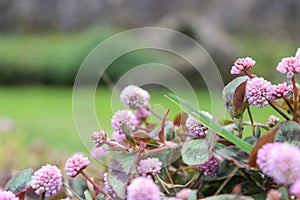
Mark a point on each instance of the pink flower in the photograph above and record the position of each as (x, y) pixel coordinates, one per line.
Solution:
(108, 186)
(242, 65)
(211, 166)
(98, 138)
(281, 90)
(120, 138)
(289, 66)
(134, 97)
(141, 114)
(295, 188)
(123, 118)
(98, 153)
(150, 166)
(7, 195)
(281, 161)
(258, 91)
(196, 127)
(184, 193)
(48, 180)
(76, 164)
(273, 120)
(143, 188)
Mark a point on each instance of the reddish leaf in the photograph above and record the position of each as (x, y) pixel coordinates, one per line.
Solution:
(161, 135)
(268, 138)
(180, 119)
(21, 194)
(239, 104)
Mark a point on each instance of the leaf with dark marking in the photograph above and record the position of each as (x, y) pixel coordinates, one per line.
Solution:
(268, 138)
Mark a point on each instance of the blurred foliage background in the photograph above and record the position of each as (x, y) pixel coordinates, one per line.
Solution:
(43, 43)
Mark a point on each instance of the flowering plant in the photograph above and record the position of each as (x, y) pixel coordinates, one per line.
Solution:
(194, 156)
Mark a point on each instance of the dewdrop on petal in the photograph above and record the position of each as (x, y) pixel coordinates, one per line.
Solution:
(7, 195)
(76, 164)
(134, 97)
(242, 65)
(48, 180)
(143, 188)
(123, 118)
(149, 166)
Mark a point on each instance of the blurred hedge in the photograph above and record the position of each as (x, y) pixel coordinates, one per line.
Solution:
(54, 58)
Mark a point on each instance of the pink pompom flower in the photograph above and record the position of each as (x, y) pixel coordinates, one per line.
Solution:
(143, 188)
(123, 118)
(48, 180)
(134, 97)
(150, 166)
(99, 138)
(7, 195)
(295, 188)
(281, 90)
(281, 161)
(259, 91)
(242, 65)
(76, 164)
(211, 166)
(289, 66)
(195, 127)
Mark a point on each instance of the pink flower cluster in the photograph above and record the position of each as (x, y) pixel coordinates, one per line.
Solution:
(76, 164)
(98, 138)
(211, 166)
(134, 97)
(281, 161)
(196, 127)
(242, 65)
(143, 188)
(289, 66)
(259, 91)
(48, 180)
(150, 166)
(281, 90)
(123, 118)
(7, 195)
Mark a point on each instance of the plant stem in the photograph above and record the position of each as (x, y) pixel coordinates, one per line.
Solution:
(295, 99)
(251, 120)
(279, 111)
(227, 180)
(155, 114)
(249, 74)
(94, 184)
(288, 103)
(43, 196)
(70, 190)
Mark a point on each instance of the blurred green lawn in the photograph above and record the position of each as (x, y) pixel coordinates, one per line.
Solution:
(44, 121)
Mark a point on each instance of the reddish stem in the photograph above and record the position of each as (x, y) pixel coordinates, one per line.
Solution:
(288, 103)
(295, 99)
(94, 184)
(249, 74)
(279, 111)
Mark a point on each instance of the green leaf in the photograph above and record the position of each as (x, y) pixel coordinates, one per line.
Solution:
(20, 181)
(195, 152)
(235, 155)
(169, 131)
(289, 131)
(228, 197)
(119, 172)
(234, 95)
(87, 195)
(210, 123)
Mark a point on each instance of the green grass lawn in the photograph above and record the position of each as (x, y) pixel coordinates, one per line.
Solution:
(44, 123)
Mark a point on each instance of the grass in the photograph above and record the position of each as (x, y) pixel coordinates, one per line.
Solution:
(44, 126)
